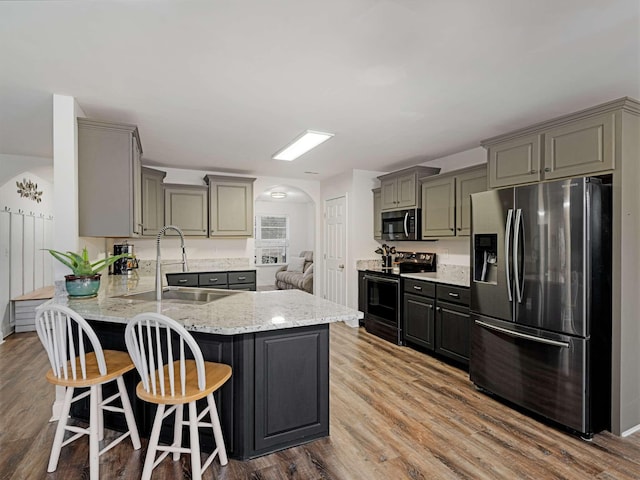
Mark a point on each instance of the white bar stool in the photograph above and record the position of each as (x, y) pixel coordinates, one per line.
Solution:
(65, 335)
(151, 339)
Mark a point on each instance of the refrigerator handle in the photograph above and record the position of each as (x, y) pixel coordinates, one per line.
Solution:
(516, 245)
(507, 246)
(511, 333)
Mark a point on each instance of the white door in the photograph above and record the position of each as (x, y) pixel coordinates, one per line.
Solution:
(335, 249)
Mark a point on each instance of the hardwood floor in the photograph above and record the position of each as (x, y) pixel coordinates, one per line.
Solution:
(395, 414)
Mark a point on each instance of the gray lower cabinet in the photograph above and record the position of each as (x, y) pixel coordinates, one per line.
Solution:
(436, 318)
(109, 179)
(231, 280)
(152, 201)
(453, 323)
(276, 398)
(285, 362)
(230, 206)
(185, 206)
(418, 307)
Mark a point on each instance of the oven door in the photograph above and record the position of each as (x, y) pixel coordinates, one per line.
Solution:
(382, 316)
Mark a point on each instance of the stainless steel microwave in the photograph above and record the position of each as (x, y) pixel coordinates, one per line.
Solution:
(401, 225)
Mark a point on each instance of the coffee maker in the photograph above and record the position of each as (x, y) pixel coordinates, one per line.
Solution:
(125, 265)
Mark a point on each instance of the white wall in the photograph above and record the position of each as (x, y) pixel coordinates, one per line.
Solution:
(10, 199)
(12, 165)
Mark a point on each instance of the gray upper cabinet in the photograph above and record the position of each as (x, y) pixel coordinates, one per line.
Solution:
(230, 206)
(446, 202)
(401, 189)
(472, 180)
(185, 206)
(438, 207)
(579, 144)
(109, 179)
(583, 147)
(515, 161)
(152, 201)
(377, 213)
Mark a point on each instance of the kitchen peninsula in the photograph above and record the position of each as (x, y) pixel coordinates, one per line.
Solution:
(277, 343)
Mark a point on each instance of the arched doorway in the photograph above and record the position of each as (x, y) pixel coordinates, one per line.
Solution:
(285, 226)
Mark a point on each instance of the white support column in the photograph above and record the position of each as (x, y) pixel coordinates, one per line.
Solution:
(65, 192)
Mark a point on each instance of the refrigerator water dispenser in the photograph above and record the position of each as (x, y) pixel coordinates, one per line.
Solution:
(485, 257)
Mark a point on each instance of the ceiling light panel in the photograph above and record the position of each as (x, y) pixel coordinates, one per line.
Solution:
(301, 145)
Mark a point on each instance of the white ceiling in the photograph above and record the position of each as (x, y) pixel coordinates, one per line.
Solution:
(222, 85)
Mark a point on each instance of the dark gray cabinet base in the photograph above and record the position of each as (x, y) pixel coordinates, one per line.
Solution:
(277, 397)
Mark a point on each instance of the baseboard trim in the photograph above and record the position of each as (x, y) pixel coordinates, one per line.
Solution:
(631, 431)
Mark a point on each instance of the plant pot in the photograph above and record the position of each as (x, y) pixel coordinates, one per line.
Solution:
(82, 286)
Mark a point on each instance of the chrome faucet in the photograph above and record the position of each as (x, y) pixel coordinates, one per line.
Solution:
(158, 262)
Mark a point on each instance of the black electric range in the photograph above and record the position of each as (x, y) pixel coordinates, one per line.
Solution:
(383, 295)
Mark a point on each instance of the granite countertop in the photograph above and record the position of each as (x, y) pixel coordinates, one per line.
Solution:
(242, 312)
(457, 278)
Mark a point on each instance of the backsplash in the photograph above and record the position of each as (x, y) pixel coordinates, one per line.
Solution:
(455, 272)
(148, 267)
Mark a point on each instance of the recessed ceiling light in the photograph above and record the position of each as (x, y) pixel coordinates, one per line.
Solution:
(278, 194)
(301, 145)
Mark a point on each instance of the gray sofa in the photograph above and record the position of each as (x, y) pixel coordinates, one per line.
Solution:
(301, 280)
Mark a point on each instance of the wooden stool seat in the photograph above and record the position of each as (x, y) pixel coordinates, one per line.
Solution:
(154, 342)
(118, 363)
(216, 374)
(65, 335)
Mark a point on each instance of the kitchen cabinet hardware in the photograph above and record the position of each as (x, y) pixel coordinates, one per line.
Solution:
(454, 295)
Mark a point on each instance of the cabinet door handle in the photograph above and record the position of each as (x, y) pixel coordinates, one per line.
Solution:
(459, 228)
(438, 309)
(416, 287)
(242, 278)
(430, 307)
(213, 280)
(547, 169)
(533, 172)
(454, 295)
(182, 280)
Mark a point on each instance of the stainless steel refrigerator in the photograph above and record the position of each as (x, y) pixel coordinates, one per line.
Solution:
(541, 299)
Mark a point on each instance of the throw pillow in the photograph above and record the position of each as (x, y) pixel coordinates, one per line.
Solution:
(308, 271)
(296, 264)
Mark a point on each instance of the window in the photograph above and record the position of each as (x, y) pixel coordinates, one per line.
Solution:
(272, 239)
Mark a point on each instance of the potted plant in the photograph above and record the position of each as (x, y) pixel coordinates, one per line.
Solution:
(85, 280)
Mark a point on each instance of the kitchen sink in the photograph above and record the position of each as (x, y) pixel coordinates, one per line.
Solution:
(182, 295)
